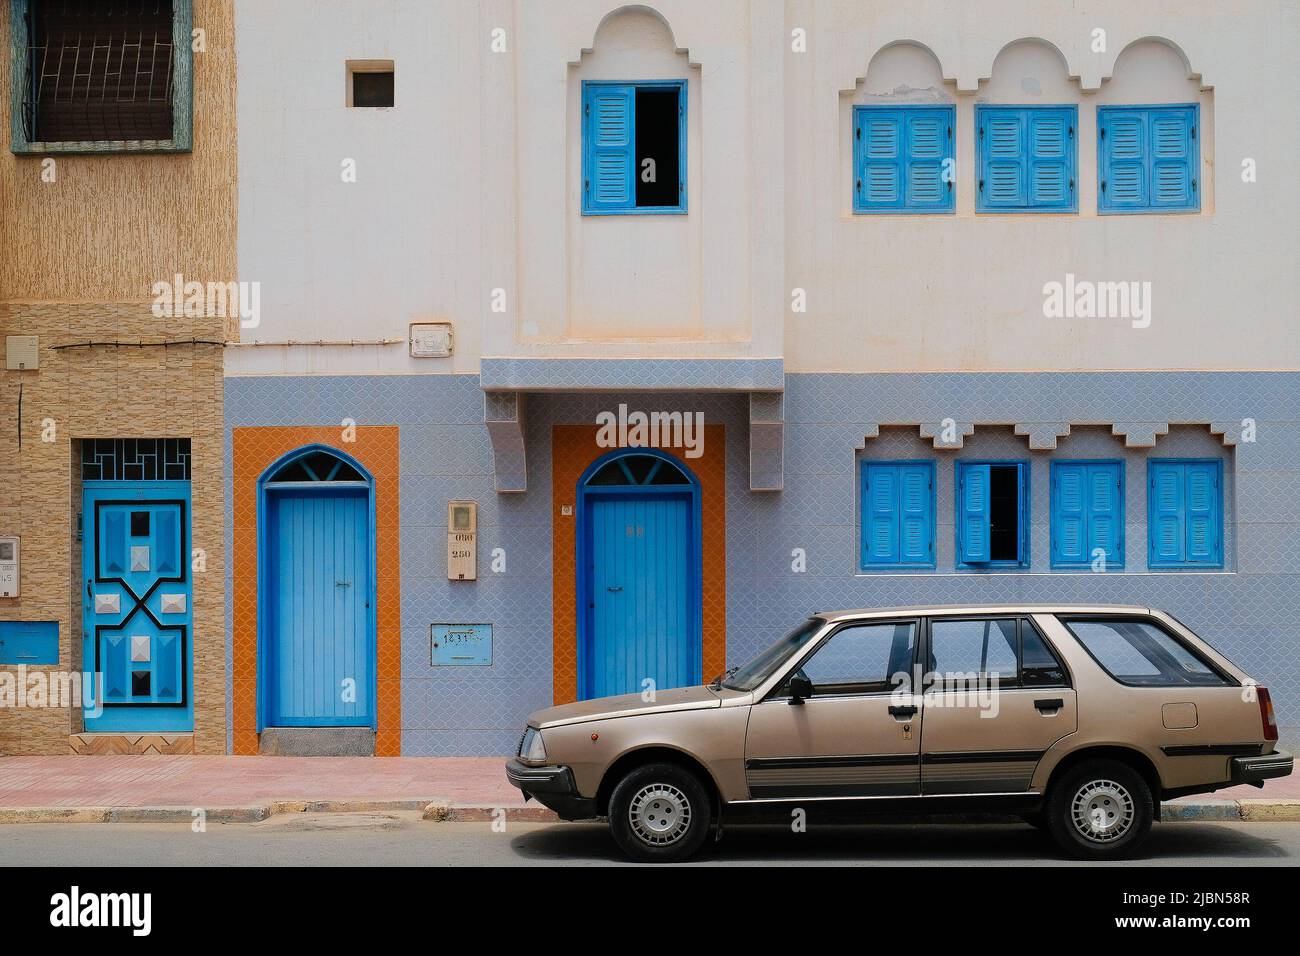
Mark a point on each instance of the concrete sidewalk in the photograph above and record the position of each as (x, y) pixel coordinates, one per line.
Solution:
(246, 789)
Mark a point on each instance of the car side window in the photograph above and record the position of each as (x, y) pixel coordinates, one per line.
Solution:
(1039, 665)
(861, 658)
(1142, 653)
(983, 648)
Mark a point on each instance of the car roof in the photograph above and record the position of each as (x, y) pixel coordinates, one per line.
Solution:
(980, 609)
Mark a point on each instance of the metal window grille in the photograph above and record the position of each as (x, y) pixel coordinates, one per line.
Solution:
(99, 70)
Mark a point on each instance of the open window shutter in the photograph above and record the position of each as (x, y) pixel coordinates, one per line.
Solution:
(975, 514)
(609, 121)
(1105, 521)
(928, 143)
(1124, 159)
(880, 498)
(915, 506)
(1173, 158)
(1166, 512)
(1050, 143)
(1002, 158)
(1202, 498)
(880, 148)
(1069, 513)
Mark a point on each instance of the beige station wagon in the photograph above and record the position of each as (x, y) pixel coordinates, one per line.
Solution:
(1078, 718)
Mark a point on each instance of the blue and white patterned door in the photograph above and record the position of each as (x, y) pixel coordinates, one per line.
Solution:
(138, 618)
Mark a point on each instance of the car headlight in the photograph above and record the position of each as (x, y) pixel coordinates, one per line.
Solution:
(531, 747)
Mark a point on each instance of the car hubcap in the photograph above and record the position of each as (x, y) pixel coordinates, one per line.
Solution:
(1102, 811)
(660, 814)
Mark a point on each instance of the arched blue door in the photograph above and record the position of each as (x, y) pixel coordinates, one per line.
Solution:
(316, 600)
(639, 578)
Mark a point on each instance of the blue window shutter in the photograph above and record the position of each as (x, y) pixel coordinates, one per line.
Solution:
(1123, 147)
(881, 514)
(1173, 159)
(975, 514)
(928, 143)
(880, 149)
(916, 513)
(608, 124)
(1204, 527)
(1069, 513)
(1002, 158)
(1050, 144)
(1106, 512)
(1165, 512)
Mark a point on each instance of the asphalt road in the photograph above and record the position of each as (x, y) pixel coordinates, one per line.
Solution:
(394, 839)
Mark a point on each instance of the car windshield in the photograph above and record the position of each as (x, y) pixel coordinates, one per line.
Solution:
(764, 665)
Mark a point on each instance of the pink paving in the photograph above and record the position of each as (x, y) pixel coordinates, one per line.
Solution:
(158, 781)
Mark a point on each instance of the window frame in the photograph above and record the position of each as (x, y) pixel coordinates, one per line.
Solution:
(1155, 564)
(982, 206)
(781, 688)
(1120, 516)
(1104, 207)
(1022, 621)
(1066, 620)
(1023, 562)
(860, 205)
(867, 567)
(182, 138)
(683, 192)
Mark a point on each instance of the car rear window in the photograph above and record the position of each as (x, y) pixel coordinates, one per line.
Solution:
(1143, 654)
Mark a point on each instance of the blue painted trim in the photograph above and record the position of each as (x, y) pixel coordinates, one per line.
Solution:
(1153, 465)
(588, 149)
(1104, 206)
(265, 487)
(985, 110)
(1025, 512)
(582, 532)
(865, 565)
(904, 205)
(1121, 512)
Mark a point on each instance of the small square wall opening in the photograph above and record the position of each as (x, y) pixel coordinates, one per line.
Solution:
(370, 83)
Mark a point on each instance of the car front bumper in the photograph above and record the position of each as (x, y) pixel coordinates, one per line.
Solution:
(1255, 770)
(553, 787)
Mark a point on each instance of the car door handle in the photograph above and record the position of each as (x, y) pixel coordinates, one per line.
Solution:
(1044, 704)
(908, 711)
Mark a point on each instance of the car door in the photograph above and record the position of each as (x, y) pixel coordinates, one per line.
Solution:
(857, 734)
(997, 697)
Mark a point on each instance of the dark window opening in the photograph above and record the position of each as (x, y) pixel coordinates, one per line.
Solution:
(658, 125)
(372, 89)
(99, 71)
(139, 524)
(1004, 513)
(317, 466)
(140, 683)
(638, 470)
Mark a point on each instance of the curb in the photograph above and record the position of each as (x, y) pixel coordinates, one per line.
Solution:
(444, 811)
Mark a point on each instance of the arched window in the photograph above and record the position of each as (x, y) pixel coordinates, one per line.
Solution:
(636, 469)
(316, 465)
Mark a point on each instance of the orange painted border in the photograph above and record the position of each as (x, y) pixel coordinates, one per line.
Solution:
(573, 448)
(376, 447)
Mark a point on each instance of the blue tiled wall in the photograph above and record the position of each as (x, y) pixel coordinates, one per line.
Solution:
(1251, 611)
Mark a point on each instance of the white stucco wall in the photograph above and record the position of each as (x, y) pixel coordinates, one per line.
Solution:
(472, 183)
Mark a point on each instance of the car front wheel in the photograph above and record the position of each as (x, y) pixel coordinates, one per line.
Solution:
(1100, 810)
(659, 813)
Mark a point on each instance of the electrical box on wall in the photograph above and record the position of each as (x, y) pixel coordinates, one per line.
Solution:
(8, 567)
(21, 353)
(462, 540)
(430, 339)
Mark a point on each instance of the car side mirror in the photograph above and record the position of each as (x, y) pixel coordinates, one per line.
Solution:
(800, 688)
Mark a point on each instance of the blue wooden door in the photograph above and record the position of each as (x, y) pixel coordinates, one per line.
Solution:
(642, 593)
(320, 642)
(137, 617)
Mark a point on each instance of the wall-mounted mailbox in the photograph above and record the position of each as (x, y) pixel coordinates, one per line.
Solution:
(462, 540)
(29, 642)
(8, 567)
(460, 644)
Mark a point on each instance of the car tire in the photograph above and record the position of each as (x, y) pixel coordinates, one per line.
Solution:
(660, 813)
(1100, 810)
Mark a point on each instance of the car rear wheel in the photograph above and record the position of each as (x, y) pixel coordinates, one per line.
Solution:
(1100, 810)
(659, 813)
